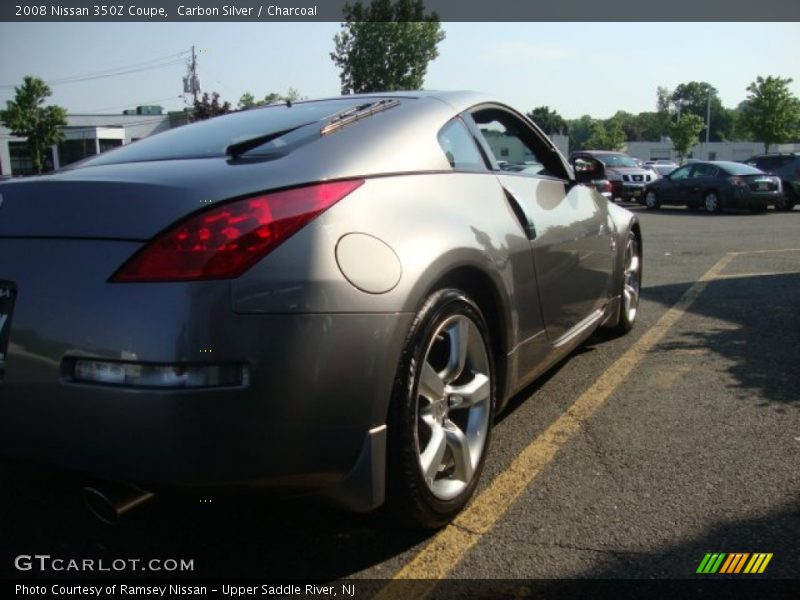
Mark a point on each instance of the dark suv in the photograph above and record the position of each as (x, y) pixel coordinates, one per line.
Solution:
(786, 166)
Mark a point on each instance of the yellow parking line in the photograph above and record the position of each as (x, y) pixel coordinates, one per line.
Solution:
(446, 549)
(765, 251)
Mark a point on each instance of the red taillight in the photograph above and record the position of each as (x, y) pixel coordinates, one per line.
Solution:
(607, 186)
(226, 240)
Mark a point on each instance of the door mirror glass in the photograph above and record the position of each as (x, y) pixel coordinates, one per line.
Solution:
(588, 169)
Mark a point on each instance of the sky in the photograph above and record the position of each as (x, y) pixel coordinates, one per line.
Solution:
(574, 68)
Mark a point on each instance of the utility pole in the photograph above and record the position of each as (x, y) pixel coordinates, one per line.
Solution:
(191, 83)
(708, 117)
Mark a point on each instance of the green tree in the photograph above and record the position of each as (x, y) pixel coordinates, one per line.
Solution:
(209, 106)
(694, 97)
(549, 120)
(651, 125)
(683, 130)
(247, 99)
(771, 112)
(579, 132)
(386, 46)
(26, 116)
(602, 137)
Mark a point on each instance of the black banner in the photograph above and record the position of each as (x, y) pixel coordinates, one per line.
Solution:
(460, 589)
(447, 10)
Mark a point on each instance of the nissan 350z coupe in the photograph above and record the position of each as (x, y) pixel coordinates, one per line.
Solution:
(328, 297)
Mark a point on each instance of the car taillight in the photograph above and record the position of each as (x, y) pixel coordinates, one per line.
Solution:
(738, 181)
(606, 186)
(226, 240)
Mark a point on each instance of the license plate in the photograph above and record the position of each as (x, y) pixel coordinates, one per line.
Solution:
(7, 296)
(636, 193)
(762, 186)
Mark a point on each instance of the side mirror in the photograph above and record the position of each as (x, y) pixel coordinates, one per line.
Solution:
(588, 169)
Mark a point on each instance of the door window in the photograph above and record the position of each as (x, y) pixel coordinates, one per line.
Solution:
(681, 173)
(514, 146)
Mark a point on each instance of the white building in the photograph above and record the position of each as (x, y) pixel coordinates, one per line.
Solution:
(736, 151)
(86, 135)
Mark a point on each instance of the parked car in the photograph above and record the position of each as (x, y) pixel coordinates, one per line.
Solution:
(332, 297)
(661, 167)
(714, 186)
(787, 167)
(627, 178)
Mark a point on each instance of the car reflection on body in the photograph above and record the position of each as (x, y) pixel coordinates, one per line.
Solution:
(715, 186)
(331, 297)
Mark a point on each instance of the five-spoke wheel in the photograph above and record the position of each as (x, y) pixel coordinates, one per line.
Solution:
(443, 408)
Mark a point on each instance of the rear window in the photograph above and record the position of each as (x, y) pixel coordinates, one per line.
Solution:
(210, 138)
(740, 169)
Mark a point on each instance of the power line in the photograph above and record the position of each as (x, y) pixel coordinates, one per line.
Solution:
(172, 59)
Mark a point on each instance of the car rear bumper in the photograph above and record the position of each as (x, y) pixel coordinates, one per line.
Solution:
(306, 418)
(748, 199)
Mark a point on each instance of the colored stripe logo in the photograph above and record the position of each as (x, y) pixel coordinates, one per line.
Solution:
(734, 563)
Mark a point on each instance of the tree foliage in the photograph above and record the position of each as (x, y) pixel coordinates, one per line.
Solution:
(693, 98)
(209, 106)
(26, 116)
(771, 112)
(605, 136)
(386, 45)
(549, 120)
(683, 130)
(247, 99)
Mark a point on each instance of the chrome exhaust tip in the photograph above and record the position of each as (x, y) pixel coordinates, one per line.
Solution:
(109, 502)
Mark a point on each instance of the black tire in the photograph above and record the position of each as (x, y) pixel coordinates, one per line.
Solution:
(416, 423)
(711, 202)
(787, 200)
(651, 200)
(630, 286)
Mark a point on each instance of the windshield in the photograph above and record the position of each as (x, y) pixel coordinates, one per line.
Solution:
(212, 137)
(616, 160)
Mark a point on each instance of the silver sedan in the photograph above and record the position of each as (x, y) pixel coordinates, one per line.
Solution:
(332, 297)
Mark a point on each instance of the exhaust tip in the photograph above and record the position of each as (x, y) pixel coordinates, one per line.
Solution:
(110, 502)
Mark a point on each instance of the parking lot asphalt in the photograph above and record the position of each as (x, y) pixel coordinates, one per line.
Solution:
(631, 459)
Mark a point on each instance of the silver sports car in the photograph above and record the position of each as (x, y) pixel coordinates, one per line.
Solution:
(331, 297)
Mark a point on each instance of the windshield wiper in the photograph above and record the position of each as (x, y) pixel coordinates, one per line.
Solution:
(239, 148)
(357, 113)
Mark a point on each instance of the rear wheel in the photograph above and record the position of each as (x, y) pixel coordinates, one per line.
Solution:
(441, 412)
(711, 202)
(787, 200)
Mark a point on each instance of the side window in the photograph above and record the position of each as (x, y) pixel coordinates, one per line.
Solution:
(459, 147)
(682, 173)
(515, 146)
(704, 171)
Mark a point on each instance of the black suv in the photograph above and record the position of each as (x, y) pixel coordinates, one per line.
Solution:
(785, 165)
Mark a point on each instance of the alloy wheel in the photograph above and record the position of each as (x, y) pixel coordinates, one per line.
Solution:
(453, 406)
(631, 279)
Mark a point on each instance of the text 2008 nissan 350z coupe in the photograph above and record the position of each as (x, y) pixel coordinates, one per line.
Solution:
(330, 297)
